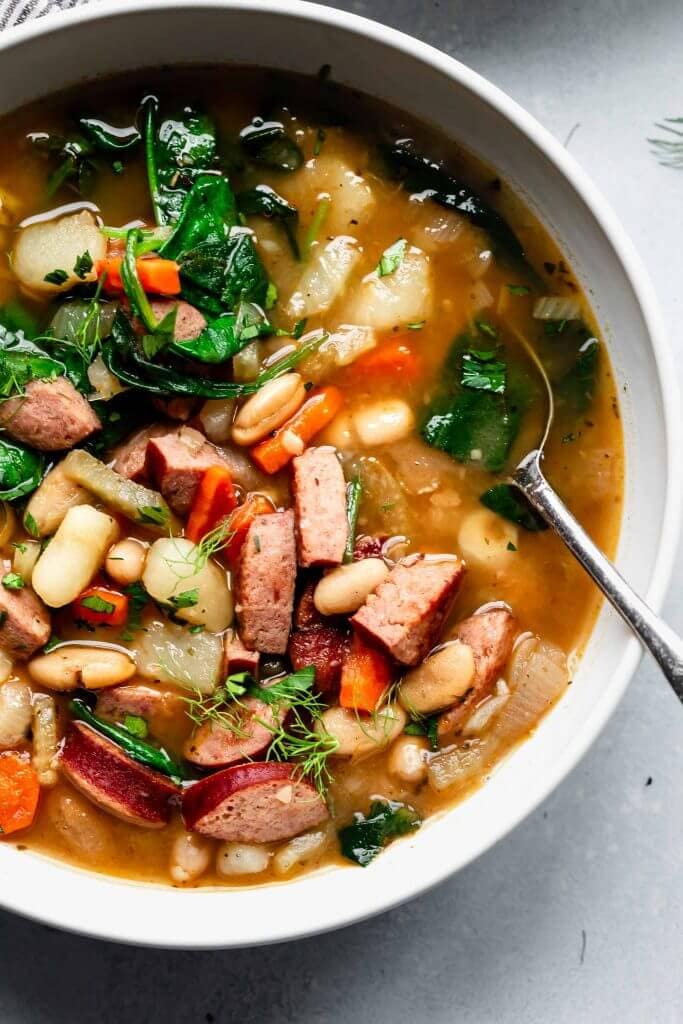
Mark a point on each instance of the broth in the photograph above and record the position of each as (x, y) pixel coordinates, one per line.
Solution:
(410, 489)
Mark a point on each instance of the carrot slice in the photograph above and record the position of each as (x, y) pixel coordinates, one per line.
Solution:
(19, 792)
(101, 606)
(393, 358)
(366, 674)
(161, 277)
(215, 499)
(241, 519)
(319, 409)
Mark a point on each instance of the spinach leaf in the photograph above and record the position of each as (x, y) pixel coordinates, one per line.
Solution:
(107, 137)
(15, 317)
(207, 214)
(217, 343)
(161, 332)
(574, 393)
(21, 470)
(120, 416)
(177, 151)
(125, 359)
(216, 275)
(508, 502)
(71, 160)
(266, 202)
(22, 361)
(267, 143)
(420, 174)
(365, 837)
(481, 371)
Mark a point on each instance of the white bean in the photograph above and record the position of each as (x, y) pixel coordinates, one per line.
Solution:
(407, 759)
(67, 668)
(200, 596)
(125, 561)
(439, 681)
(242, 859)
(360, 735)
(487, 540)
(268, 409)
(216, 417)
(80, 826)
(300, 851)
(44, 728)
(15, 712)
(341, 432)
(25, 557)
(383, 422)
(73, 556)
(344, 590)
(190, 857)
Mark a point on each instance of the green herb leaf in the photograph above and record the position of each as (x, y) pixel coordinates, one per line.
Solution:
(483, 374)
(266, 202)
(31, 525)
(21, 470)
(518, 289)
(153, 514)
(177, 151)
(107, 137)
(366, 836)
(267, 143)
(509, 503)
(98, 604)
(138, 599)
(136, 726)
(392, 258)
(187, 599)
(56, 277)
(354, 492)
(83, 265)
(13, 581)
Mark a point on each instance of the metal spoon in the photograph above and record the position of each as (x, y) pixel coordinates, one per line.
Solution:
(660, 640)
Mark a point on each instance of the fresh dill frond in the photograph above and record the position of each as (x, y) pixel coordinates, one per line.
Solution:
(669, 150)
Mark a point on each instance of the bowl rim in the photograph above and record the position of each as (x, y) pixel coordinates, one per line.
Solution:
(142, 931)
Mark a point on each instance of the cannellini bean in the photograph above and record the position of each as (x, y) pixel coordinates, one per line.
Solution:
(80, 826)
(67, 668)
(190, 857)
(49, 504)
(439, 681)
(216, 419)
(487, 540)
(341, 432)
(44, 728)
(268, 409)
(344, 590)
(73, 556)
(15, 712)
(300, 851)
(25, 557)
(242, 859)
(56, 245)
(407, 759)
(125, 561)
(383, 422)
(360, 735)
(174, 575)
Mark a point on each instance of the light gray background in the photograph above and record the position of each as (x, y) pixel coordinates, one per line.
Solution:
(576, 916)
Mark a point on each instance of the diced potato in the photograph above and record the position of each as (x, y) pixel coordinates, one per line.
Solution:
(56, 245)
(169, 653)
(351, 197)
(176, 575)
(49, 504)
(341, 348)
(73, 556)
(403, 297)
(324, 278)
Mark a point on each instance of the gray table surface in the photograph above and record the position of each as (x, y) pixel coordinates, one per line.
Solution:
(576, 916)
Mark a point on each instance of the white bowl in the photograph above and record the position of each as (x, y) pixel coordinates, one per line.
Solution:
(109, 37)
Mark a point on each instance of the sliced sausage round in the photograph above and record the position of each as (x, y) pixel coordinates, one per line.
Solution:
(261, 802)
(212, 745)
(113, 781)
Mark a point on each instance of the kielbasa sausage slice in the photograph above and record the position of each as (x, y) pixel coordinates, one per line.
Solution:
(113, 781)
(253, 803)
(216, 746)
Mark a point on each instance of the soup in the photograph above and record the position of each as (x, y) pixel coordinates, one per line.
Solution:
(268, 353)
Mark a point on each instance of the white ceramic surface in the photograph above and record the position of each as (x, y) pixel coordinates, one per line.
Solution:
(108, 37)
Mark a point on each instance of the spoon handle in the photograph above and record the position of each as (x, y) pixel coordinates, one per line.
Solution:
(664, 645)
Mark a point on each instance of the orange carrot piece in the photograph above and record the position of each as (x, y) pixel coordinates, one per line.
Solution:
(366, 674)
(19, 792)
(394, 357)
(215, 499)
(319, 409)
(101, 605)
(241, 519)
(160, 277)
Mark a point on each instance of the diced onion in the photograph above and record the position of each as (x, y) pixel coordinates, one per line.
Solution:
(325, 277)
(299, 851)
(247, 363)
(557, 307)
(171, 654)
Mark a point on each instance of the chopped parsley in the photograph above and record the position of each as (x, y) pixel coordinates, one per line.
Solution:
(187, 599)
(83, 265)
(31, 525)
(53, 642)
(299, 328)
(482, 372)
(137, 599)
(13, 581)
(98, 604)
(486, 328)
(155, 514)
(417, 325)
(518, 289)
(136, 726)
(56, 277)
(511, 546)
(391, 258)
